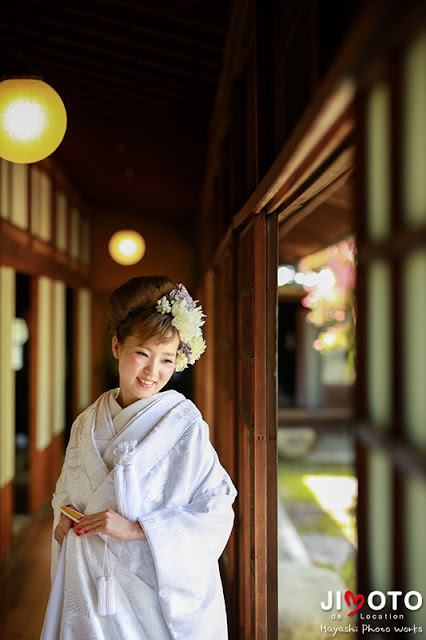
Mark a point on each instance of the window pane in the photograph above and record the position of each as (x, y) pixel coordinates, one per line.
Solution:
(379, 405)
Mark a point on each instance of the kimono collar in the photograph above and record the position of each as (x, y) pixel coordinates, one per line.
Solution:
(155, 430)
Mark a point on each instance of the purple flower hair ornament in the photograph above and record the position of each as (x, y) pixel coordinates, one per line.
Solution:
(188, 320)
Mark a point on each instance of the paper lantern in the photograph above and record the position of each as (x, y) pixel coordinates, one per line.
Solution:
(126, 247)
(33, 120)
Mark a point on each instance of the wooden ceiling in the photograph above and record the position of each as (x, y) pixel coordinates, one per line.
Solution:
(138, 80)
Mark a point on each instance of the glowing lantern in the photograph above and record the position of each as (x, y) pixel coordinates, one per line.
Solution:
(33, 120)
(126, 247)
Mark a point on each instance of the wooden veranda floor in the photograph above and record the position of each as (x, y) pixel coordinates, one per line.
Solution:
(25, 584)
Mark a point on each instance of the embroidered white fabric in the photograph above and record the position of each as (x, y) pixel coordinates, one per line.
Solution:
(167, 587)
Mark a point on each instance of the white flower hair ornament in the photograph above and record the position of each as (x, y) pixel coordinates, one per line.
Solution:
(188, 320)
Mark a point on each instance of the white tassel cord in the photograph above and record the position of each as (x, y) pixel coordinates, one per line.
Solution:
(128, 502)
(127, 491)
(102, 611)
(106, 586)
(126, 482)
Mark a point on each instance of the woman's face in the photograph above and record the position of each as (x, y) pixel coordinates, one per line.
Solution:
(144, 367)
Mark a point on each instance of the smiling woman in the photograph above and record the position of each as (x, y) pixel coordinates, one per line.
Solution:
(142, 562)
(144, 367)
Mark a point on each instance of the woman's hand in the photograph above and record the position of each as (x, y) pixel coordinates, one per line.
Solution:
(112, 524)
(64, 525)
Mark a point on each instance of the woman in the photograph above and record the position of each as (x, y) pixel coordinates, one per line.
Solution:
(142, 562)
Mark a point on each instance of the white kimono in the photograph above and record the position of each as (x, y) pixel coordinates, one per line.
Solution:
(152, 461)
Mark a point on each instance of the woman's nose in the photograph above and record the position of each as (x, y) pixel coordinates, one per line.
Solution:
(150, 368)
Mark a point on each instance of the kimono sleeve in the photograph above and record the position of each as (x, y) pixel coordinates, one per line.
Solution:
(186, 542)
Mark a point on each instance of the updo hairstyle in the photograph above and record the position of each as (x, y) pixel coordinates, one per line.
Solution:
(132, 310)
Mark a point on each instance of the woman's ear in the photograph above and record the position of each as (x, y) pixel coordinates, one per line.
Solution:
(115, 347)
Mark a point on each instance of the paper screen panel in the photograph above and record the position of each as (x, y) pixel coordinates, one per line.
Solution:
(7, 376)
(35, 177)
(44, 368)
(414, 133)
(84, 348)
(59, 365)
(414, 351)
(75, 233)
(379, 519)
(378, 352)
(378, 163)
(19, 204)
(45, 207)
(414, 520)
(4, 188)
(61, 221)
(85, 237)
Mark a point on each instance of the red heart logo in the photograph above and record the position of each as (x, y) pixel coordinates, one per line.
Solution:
(359, 598)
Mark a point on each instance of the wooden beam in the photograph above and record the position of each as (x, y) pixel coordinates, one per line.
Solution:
(298, 212)
(411, 461)
(29, 255)
(403, 240)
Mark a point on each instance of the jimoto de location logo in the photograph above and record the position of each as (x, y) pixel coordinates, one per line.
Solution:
(381, 607)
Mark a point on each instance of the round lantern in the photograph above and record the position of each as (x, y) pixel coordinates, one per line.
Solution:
(126, 247)
(33, 120)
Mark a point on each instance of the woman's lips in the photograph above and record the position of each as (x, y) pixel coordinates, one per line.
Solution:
(145, 383)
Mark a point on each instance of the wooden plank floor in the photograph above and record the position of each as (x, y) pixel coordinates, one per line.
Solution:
(25, 585)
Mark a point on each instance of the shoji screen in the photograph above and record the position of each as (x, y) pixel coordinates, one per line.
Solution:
(392, 326)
